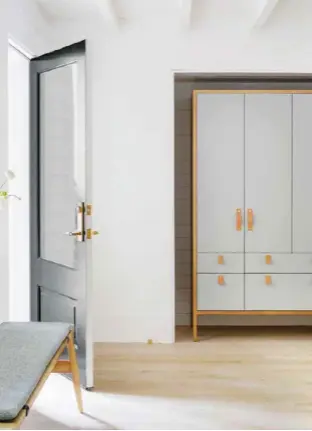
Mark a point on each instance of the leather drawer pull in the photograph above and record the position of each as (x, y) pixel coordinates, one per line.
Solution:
(220, 260)
(238, 219)
(250, 219)
(268, 280)
(220, 280)
(268, 259)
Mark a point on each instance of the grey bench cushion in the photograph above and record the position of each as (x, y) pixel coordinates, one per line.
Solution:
(25, 351)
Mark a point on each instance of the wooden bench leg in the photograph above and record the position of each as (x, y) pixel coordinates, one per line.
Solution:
(75, 371)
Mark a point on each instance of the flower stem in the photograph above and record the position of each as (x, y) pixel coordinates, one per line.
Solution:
(4, 183)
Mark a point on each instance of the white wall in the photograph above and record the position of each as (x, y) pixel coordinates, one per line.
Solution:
(18, 161)
(130, 78)
(22, 22)
(133, 128)
(4, 291)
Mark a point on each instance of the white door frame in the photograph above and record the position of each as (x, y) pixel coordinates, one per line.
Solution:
(18, 161)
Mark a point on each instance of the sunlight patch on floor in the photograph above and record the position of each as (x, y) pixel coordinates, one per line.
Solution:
(55, 408)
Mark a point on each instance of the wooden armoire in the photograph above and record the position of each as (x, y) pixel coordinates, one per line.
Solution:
(252, 202)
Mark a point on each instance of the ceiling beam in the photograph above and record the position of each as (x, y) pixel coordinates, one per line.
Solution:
(265, 10)
(108, 12)
(186, 12)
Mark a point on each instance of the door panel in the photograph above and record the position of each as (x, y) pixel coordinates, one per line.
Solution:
(64, 307)
(220, 171)
(214, 263)
(302, 173)
(278, 263)
(286, 292)
(214, 296)
(58, 195)
(57, 154)
(268, 172)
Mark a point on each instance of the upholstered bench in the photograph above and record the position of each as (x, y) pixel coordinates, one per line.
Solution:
(29, 352)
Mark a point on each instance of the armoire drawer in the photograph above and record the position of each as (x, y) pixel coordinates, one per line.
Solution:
(278, 263)
(278, 292)
(220, 263)
(220, 292)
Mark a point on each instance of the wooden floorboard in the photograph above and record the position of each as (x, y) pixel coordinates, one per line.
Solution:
(263, 367)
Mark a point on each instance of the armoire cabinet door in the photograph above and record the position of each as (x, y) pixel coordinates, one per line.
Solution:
(220, 172)
(302, 173)
(225, 263)
(220, 292)
(278, 263)
(278, 292)
(268, 173)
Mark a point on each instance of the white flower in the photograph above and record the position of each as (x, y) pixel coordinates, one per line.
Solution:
(9, 175)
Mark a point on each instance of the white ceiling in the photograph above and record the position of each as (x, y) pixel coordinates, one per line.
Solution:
(190, 12)
(67, 9)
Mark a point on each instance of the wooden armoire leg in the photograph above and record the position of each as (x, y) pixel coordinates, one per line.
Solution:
(195, 328)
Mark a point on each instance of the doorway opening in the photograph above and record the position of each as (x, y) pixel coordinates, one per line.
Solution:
(184, 86)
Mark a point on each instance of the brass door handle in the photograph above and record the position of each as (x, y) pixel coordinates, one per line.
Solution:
(91, 233)
(238, 219)
(250, 219)
(73, 233)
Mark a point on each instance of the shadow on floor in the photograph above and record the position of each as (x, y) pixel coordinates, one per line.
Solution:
(37, 420)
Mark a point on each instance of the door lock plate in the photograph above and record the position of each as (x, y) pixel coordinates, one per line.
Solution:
(89, 210)
(91, 233)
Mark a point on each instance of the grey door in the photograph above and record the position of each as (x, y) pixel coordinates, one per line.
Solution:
(59, 197)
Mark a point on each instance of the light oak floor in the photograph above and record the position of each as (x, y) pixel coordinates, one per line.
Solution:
(237, 378)
(257, 378)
